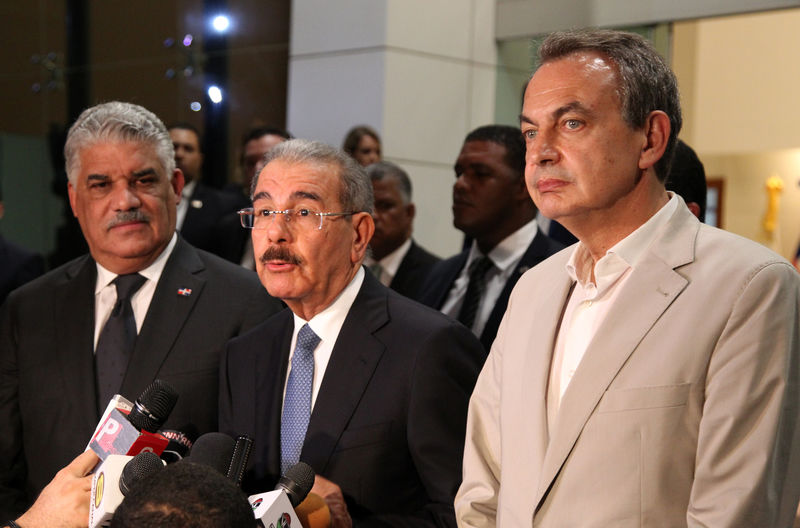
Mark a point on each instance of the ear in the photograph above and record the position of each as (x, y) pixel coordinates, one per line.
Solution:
(71, 194)
(694, 207)
(411, 210)
(177, 184)
(656, 130)
(363, 227)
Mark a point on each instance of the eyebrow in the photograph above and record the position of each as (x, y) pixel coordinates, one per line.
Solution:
(264, 195)
(144, 172)
(573, 106)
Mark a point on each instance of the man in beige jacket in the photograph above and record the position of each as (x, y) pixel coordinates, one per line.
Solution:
(647, 376)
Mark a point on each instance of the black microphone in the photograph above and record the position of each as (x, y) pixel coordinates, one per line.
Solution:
(128, 434)
(297, 482)
(180, 444)
(114, 479)
(239, 458)
(276, 507)
(214, 450)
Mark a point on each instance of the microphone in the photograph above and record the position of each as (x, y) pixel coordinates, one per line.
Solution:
(214, 450)
(276, 508)
(180, 442)
(119, 433)
(114, 479)
(241, 454)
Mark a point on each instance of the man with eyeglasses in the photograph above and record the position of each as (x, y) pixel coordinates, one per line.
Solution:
(365, 385)
(143, 304)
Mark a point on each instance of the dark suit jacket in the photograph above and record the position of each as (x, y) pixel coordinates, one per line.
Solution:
(388, 422)
(17, 266)
(47, 387)
(413, 271)
(206, 209)
(445, 273)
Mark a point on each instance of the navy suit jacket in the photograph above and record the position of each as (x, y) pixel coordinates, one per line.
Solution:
(388, 423)
(413, 271)
(445, 273)
(206, 210)
(48, 407)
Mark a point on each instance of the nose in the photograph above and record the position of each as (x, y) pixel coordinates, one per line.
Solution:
(278, 229)
(125, 197)
(542, 149)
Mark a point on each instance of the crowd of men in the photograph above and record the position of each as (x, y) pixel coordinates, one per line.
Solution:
(646, 375)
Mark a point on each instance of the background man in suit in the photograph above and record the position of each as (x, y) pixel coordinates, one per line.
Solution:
(396, 260)
(649, 375)
(55, 371)
(235, 242)
(201, 208)
(492, 206)
(375, 397)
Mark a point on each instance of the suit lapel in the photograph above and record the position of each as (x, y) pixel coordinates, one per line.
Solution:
(451, 271)
(165, 318)
(650, 289)
(355, 356)
(74, 311)
(269, 375)
(539, 249)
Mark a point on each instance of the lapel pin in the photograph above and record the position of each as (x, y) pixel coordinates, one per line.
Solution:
(197, 204)
(185, 292)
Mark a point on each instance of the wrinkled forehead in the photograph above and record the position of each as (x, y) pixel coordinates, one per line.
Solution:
(284, 182)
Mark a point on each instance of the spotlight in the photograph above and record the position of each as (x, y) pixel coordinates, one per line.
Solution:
(195, 106)
(215, 94)
(221, 23)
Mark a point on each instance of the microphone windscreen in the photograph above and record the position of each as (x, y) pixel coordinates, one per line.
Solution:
(142, 465)
(297, 482)
(152, 408)
(214, 450)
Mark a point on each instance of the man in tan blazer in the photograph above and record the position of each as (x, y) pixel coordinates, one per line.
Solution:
(647, 376)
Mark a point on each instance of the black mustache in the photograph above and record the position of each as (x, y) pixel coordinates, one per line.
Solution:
(279, 253)
(128, 216)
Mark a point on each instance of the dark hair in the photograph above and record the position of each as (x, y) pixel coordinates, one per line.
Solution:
(184, 495)
(356, 191)
(354, 135)
(687, 177)
(182, 125)
(385, 169)
(646, 83)
(261, 131)
(508, 137)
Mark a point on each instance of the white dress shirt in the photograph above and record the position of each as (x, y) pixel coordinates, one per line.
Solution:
(183, 205)
(505, 256)
(390, 263)
(105, 292)
(590, 302)
(326, 325)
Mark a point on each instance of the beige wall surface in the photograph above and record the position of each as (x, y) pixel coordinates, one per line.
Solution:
(738, 78)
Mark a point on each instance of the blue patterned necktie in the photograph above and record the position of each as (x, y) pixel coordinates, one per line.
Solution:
(297, 402)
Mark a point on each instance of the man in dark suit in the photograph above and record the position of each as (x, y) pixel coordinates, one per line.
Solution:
(396, 260)
(367, 386)
(202, 208)
(491, 205)
(17, 264)
(54, 372)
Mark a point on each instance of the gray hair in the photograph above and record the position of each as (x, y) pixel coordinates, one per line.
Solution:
(117, 122)
(646, 82)
(356, 191)
(385, 169)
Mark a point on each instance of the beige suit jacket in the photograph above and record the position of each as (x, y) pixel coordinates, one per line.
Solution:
(682, 412)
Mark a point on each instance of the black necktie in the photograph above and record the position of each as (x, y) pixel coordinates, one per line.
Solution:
(475, 290)
(115, 344)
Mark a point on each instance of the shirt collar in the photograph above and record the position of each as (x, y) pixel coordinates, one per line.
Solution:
(329, 321)
(624, 254)
(188, 189)
(151, 272)
(510, 250)
(391, 262)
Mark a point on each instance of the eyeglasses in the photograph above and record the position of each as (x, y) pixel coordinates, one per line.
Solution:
(300, 218)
